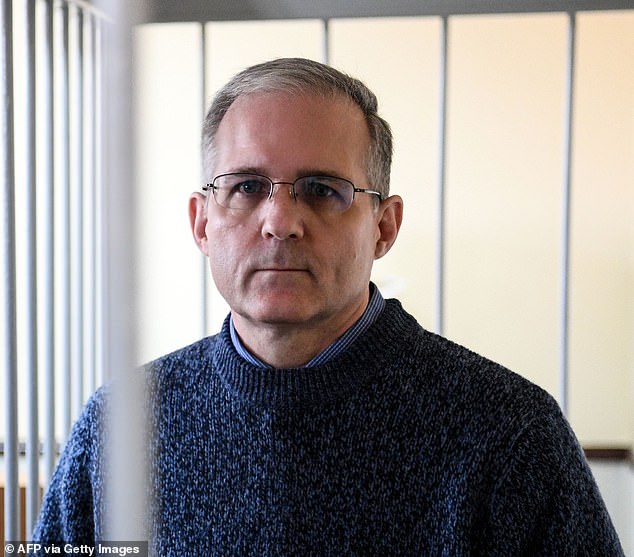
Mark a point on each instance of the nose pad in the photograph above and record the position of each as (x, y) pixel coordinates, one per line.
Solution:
(291, 190)
(281, 218)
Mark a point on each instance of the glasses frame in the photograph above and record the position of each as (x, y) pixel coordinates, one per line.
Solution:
(211, 186)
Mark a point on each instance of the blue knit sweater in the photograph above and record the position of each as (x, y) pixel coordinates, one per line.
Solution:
(407, 444)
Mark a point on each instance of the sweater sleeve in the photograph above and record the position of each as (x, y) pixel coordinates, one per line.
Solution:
(546, 501)
(71, 508)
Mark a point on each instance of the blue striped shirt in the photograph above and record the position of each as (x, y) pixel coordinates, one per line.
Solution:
(372, 311)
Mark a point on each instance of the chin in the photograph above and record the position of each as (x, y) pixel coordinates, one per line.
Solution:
(275, 308)
(281, 315)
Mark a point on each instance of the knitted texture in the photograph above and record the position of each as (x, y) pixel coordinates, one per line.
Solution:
(407, 444)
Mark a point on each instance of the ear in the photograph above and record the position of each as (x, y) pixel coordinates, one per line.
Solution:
(198, 220)
(390, 216)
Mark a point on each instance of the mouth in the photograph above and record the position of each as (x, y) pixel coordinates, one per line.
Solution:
(281, 270)
(280, 262)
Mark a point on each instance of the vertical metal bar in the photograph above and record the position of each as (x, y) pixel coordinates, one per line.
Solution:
(8, 350)
(89, 203)
(100, 239)
(104, 203)
(326, 44)
(126, 489)
(77, 201)
(47, 302)
(30, 275)
(442, 167)
(565, 234)
(203, 260)
(119, 194)
(62, 186)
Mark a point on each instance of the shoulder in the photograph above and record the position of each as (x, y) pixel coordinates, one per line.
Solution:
(468, 393)
(448, 367)
(87, 431)
(466, 371)
(183, 364)
(187, 354)
(503, 416)
(70, 509)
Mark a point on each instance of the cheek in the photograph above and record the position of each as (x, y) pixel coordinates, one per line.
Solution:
(215, 240)
(356, 258)
(227, 247)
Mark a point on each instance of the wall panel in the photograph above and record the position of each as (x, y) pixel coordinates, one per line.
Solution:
(602, 233)
(168, 112)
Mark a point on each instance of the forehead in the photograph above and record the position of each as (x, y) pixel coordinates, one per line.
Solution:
(288, 133)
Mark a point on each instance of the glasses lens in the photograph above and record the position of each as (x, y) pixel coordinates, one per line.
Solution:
(241, 191)
(325, 193)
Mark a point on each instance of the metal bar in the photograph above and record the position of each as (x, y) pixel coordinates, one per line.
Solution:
(90, 7)
(565, 233)
(47, 302)
(442, 178)
(62, 186)
(202, 10)
(76, 52)
(100, 238)
(326, 44)
(126, 488)
(30, 274)
(105, 110)
(89, 203)
(204, 269)
(7, 246)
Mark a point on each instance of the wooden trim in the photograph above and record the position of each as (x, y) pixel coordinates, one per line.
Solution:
(22, 518)
(22, 448)
(592, 453)
(612, 454)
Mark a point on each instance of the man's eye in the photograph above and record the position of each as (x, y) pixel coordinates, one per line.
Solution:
(248, 187)
(319, 189)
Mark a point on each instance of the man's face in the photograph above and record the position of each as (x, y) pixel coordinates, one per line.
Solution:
(282, 263)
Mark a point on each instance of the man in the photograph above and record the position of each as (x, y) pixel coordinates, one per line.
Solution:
(322, 419)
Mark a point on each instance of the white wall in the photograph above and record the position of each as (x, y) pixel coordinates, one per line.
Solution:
(616, 483)
(504, 194)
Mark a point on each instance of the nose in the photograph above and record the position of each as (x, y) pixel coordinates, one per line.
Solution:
(281, 215)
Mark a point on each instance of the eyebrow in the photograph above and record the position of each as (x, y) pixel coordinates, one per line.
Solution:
(301, 173)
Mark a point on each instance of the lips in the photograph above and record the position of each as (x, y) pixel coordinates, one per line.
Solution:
(283, 269)
(279, 261)
(287, 274)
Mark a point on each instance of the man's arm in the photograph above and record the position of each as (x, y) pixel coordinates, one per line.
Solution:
(71, 508)
(546, 501)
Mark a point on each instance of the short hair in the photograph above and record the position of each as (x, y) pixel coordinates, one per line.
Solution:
(302, 76)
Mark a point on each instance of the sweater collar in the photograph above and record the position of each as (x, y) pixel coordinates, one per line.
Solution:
(370, 354)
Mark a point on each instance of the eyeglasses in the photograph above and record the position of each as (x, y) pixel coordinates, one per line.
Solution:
(323, 194)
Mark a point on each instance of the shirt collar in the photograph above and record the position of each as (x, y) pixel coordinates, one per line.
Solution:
(372, 311)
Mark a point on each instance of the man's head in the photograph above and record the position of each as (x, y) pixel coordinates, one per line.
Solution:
(302, 76)
(292, 224)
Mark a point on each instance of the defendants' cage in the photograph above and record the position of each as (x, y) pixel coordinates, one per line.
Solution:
(66, 227)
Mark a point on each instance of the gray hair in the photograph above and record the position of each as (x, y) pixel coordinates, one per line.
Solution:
(301, 76)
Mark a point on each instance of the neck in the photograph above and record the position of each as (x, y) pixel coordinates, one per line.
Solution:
(290, 345)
